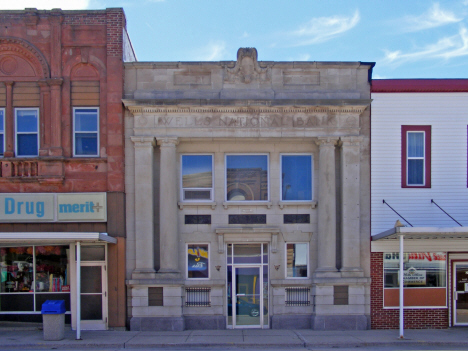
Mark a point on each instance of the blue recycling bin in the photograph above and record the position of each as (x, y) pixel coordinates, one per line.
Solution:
(53, 319)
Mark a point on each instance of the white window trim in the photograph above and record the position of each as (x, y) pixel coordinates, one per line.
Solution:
(286, 259)
(225, 178)
(212, 180)
(408, 158)
(2, 110)
(186, 260)
(97, 132)
(24, 133)
(311, 177)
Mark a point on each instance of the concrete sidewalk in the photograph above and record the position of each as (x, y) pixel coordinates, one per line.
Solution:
(32, 338)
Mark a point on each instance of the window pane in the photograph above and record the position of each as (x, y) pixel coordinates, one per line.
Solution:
(421, 269)
(197, 261)
(197, 171)
(296, 177)
(1, 145)
(16, 269)
(415, 172)
(93, 253)
(416, 144)
(296, 258)
(86, 120)
(26, 121)
(86, 144)
(247, 253)
(2, 121)
(247, 177)
(51, 268)
(27, 144)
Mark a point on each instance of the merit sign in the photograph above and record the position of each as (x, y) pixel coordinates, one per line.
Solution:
(69, 207)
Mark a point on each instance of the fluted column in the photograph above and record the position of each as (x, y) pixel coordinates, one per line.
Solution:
(350, 211)
(326, 239)
(144, 214)
(169, 236)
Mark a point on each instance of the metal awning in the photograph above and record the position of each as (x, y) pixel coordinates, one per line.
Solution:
(54, 238)
(420, 233)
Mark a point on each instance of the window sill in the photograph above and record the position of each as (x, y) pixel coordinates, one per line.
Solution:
(183, 204)
(226, 204)
(282, 204)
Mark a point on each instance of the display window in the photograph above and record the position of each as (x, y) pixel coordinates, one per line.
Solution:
(30, 275)
(198, 261)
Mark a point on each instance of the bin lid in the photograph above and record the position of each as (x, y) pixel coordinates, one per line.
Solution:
(53, 307)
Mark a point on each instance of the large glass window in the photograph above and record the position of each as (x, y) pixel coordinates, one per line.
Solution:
(297, 258)
(421, 269)
(198, 261)
(2, 131)
(197, 177)
(31, 275)
(247, 178)
(27, 132)
(416, 152)
(296, 177)
(86, 131)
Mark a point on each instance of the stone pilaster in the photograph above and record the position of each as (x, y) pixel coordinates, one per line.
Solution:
(9, 124)
(169, 235)
(144, 214)
(350, 206)
(326, 207)
(56, 117)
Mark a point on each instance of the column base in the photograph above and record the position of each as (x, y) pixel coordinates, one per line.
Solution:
(352, 272)
(327, 272)
(143, 274)
(168, 275)
(157, 324)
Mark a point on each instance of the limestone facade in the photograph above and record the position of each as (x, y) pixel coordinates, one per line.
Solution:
(242, 108)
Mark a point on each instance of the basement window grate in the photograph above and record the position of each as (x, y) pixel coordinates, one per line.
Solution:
(197, 297)
(297, 296)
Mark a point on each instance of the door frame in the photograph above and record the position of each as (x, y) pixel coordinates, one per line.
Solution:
(96, 324)
(234, 297)
(454, 291)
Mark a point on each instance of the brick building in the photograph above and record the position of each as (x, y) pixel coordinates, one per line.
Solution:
(62, 164)
(419, 178)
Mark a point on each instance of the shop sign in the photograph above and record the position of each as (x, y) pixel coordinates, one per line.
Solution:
(414, 276)
(63, 207)
(390, 257)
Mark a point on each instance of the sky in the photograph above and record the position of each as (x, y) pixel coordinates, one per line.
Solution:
(406, 38)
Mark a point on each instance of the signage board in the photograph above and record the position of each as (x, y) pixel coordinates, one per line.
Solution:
(53, 207)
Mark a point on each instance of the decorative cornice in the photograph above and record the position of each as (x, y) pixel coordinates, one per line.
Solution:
(351, 140)
(326, 141)
(167, 141)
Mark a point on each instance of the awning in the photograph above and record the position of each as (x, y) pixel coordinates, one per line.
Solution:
(418, 233)
(53, 238)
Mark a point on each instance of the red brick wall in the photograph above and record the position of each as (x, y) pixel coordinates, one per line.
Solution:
(390, 318)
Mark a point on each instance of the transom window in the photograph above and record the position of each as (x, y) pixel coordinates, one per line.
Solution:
(197, 177)
(296, 177)
(27, 132)
(86, 131)
(247, 178)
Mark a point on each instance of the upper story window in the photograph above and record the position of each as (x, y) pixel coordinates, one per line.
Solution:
(2, 131)
(86, 131)
(296, 177)
(27, 132)
(416, 156)
(247, 177)
(197, 177)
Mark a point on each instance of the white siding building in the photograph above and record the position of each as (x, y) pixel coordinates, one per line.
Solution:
(419, 177)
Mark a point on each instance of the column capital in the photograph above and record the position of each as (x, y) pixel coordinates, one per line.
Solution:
(55, 81)
(326, 141)
(9, 83)
(351, 140)
(143, 141)
(167, 141)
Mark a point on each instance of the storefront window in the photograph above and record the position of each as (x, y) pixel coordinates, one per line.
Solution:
(17, 269)
(421, 269)
(51, 269)
(198, 261)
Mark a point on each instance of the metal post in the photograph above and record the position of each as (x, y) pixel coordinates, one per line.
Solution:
(401, 288)
(78, 291)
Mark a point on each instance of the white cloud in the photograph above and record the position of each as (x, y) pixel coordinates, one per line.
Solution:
(44, 4)
(321, 29)
(434, 17)
(304, 57)
(445, 48)
(214, 51)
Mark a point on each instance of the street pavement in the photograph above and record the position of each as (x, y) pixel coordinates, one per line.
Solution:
(32, 338)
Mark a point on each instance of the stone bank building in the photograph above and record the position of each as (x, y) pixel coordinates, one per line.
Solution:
(247, 194)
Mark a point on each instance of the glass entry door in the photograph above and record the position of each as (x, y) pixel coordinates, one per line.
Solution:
(460, 292)
(247, 286)
(93, 296)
